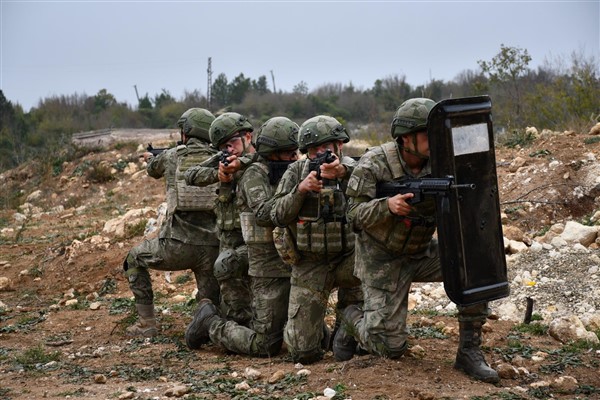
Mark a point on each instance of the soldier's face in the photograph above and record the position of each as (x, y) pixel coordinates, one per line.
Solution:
(335, 147)
(285, 155)
(237, 144)
(419, 143)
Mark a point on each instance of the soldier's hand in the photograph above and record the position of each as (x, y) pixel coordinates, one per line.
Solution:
(398, 204)
(333, 170)
(233, 165)
(147, 155)
(224, 177)
(310, 183)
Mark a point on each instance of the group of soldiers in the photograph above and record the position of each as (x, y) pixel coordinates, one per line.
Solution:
(269, 234)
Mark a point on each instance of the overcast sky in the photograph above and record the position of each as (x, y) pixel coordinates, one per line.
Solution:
(66, 47)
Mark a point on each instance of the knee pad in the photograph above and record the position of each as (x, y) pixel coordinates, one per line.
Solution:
(227, 265)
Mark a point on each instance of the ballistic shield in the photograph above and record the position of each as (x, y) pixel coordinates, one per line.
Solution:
(471, 244)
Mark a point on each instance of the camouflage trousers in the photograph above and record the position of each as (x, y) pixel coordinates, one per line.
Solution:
(231, 271)
(312, 282)
(264, 336)
(170, 255)
(383, 330)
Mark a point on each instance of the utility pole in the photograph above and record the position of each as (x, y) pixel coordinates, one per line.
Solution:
(273, 79)
(136, 94)
(209, 83)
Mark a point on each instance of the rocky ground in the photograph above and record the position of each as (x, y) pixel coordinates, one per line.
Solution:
(64, 303)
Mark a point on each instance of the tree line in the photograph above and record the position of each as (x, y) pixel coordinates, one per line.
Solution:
(561, 94)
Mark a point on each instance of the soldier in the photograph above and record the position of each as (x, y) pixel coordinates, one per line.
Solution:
(310, 202)
(231, 133)
(395, 247)
(188, 235)
(277, 146)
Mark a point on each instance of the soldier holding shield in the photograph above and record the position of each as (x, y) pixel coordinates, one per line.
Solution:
(395, 247)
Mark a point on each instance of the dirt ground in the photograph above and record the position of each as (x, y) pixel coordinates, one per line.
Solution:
(51, 347)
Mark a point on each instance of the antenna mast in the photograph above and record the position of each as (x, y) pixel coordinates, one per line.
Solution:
(273, 79)
(209, 83)
(136, 93)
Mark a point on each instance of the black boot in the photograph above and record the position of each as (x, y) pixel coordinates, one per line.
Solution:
(196, 333)
(344, 343)
(469, 357)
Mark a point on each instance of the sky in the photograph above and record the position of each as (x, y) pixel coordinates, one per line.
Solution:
(54, 48)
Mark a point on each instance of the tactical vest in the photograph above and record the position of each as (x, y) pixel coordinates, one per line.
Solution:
(321, 226)
(410, 234)
(182, 197)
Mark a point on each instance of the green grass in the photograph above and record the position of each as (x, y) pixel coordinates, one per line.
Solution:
(36, 355)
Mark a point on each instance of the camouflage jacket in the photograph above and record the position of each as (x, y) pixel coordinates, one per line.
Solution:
(371, 217)
(254, 199)
(197, 227)
(289, 204)
(225, 209)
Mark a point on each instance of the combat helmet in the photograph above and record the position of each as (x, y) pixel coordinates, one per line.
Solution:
(196, 122)
(411, 116)
(278, 133)
(321, 129)
(226, 125)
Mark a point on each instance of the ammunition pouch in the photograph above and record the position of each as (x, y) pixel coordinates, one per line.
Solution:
(328, 204)
(253, 233)
(228, 218)
(404, 235)
(322, 237)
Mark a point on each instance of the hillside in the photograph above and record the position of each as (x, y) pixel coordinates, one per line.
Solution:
(64, 303)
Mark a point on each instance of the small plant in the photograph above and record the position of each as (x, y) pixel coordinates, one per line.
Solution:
(181, 279)
(540, 153)
(36, 271)
(121, 306)
(591, 140)
(518, 137)
(533, 329)
(99, 173)
(120, 165)
(82, 168)
(136, 229)
(427, 332)
(36, 355)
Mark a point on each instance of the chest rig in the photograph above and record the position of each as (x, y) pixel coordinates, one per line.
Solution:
(409, 234)
(321, 227)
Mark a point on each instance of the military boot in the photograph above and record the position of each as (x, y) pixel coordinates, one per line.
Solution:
(469, 357)
(344, 343)
(146, 324)
(196, 333)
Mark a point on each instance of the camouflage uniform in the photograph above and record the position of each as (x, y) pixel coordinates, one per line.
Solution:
(231, 266)
(187, 239)
(270, 277)
(318, 270)
(391, 252)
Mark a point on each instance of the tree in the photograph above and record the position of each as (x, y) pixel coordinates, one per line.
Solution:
(300, 88)
(220, 91)
(162, 99)
(505, 69)
(238, 88)
(260, 86)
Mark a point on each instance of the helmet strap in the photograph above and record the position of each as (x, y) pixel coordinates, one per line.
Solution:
(411, 151)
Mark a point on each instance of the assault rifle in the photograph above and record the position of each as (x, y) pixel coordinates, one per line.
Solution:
(320, 159)
(420, 187)
(157, 150)
(223, 157)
